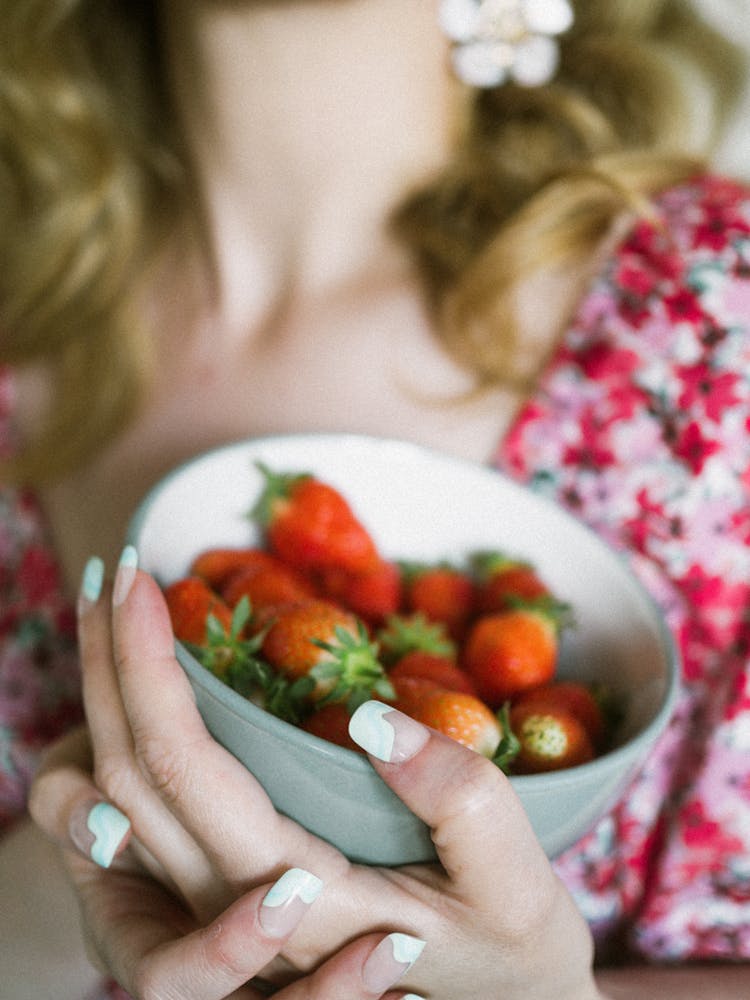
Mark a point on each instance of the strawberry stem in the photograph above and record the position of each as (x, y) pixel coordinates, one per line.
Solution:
(509, 746)
(486, 563)
(233, 659)
(558, 612)
(354, 671)
(403, 634)
(277, 486)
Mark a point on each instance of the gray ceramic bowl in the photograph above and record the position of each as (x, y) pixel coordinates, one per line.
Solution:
(419, 505)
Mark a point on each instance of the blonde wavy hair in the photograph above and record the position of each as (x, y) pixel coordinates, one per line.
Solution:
(92, 177)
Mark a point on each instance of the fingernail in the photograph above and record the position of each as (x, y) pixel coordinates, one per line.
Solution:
(287, 900)
(99, 831)
(126, 568)
(91, 584)
(386, 733)
(393, 957)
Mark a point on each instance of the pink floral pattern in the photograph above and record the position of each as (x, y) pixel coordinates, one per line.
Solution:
(641, 428)
(39, 680)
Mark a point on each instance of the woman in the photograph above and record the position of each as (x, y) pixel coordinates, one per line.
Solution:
(198, 248)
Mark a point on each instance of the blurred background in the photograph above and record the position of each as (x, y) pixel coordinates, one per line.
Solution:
(733, 18)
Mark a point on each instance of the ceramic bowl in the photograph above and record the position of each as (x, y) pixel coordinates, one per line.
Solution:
(419, 505)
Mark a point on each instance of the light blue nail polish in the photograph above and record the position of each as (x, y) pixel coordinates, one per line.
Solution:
(126, 568)
(109, 826)
(295, 882)
(406, 948)
(369, 729)
(129, 557)
(92, 580)
(411, 996)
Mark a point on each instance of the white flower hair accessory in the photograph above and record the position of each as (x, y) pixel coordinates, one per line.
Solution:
(497, 40)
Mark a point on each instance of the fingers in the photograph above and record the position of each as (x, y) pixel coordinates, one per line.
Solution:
(363, 970)
(219, 959)
(207, 789)
(164, 846)
(464, 798)
(110, 733)
(66, 804)
(153, 948)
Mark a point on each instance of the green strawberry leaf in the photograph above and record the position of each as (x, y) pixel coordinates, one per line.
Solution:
(509, 746)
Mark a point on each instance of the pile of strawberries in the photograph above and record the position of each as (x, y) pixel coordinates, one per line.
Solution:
(315, 620)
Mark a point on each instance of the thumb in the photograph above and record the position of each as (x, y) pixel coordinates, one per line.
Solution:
(481, 833)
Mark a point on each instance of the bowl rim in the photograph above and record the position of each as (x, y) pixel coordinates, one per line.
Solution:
(351, 760)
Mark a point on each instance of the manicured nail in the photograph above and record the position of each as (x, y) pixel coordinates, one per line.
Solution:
(99, 831)
(125, 575)
(393, 957)
(91, 584)
(386, 733)
(287, 900)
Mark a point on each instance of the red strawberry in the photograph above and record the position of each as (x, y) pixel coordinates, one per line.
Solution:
(511, 651)
(442, 593)
(373, 595)
(216, 565)
(404, 633)
(190, 602)
(411, 692)
(573, 697)
(461, 716)
(331, 722)
(441, 670)
(323, 642)
(549, 739)
(501, 580)
(267, 586)
(310, 525)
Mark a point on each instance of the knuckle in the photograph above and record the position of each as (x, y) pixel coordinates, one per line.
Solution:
(41, 789)
(476, 786)
(113, 775)
(224, 954)
(148, 982)
(168, 768)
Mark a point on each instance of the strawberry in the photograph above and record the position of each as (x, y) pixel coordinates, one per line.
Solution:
(442, 670)
(508, 652)
(402, 634)
(331, 722)
(190, 602)
(549, 738)
(456, 714)
(267, 586)
(442, 593)
(501, 579)
(328, 645)
(230, 655)
(216, 565)
(373, 595)
(415, 647)
(411, 692)
(310, 525)
(573, 697)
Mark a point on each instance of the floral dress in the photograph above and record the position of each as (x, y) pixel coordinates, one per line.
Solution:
(641, 428)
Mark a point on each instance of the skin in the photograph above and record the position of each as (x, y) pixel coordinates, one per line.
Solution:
(155, 760)
(297, 270)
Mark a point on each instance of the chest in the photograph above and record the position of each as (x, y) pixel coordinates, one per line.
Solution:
(371, 367)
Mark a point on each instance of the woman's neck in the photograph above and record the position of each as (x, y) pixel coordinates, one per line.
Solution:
(306, 122)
